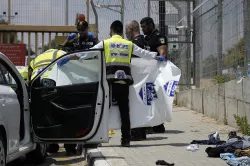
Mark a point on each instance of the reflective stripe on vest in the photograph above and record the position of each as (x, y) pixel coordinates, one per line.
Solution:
(40, 62)
(118, 49)
(117, 64)
(113, 76)
(39, 69)
(45, 61)
(118, 53)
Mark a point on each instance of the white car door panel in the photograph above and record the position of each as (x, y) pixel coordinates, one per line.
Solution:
(10, 112)
(69, 103)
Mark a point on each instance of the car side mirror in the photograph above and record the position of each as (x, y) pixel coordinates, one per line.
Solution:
(46, 82)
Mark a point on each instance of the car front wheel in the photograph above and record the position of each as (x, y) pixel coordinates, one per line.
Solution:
(38, 155)
(2, 152)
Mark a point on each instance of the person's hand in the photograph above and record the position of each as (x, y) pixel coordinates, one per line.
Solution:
(63, 61)
(161, 58)
(74, 57)
(67, 59)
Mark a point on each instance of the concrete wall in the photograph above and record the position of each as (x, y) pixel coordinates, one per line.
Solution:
(220, 102)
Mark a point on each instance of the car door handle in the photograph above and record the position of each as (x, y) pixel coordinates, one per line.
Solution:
(52, 90)
(2, 99)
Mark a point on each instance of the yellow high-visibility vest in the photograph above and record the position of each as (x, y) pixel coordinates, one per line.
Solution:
(24, 73)
(44, 59)
(118, 53)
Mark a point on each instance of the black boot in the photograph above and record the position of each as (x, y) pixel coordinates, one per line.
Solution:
(136, 135)
(143, 134)
(70, 149)
(159, 129)
(125, 142)
(53, 148)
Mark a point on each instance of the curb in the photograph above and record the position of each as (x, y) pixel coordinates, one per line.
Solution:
(94, 157)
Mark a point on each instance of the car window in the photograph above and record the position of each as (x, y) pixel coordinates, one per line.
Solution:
(86, 70)
(6, 77)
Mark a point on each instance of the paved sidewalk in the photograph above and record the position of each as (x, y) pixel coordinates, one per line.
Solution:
(187, 125)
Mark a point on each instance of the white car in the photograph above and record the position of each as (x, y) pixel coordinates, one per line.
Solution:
(50, 112)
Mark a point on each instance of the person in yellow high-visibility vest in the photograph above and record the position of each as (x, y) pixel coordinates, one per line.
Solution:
(44, 59)
(24, 73)
(118, 53)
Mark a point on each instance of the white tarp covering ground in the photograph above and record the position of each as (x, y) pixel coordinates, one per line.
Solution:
(151, 95)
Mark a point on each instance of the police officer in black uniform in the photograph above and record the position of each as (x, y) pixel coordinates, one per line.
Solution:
(157, 42)
(81, 41)
(133, 34)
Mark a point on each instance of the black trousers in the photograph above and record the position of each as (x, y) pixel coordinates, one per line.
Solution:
(75, 148)
(139, 133)
(121, 93)
(70, 147)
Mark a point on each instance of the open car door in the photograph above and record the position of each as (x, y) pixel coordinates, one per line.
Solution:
(70, 103)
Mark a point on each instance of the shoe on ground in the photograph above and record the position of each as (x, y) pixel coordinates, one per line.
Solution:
(125, 143)
(136, 138)
(143, 135)
(79, 149)
(159, 129)
(150, 131)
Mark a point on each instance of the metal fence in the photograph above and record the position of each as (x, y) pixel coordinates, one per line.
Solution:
(222, 40)
(175, 20)
(172, 17)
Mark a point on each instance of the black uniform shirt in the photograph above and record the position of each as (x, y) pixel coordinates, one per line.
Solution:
(139, 41)
(155, 40)
(76, 43)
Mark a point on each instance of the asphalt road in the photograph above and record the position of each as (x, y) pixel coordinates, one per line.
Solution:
(55, 160)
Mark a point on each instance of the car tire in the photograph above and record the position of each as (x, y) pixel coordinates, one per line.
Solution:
(2, 152)
(38, 155)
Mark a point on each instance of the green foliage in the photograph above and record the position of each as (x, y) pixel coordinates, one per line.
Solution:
(220, 79)
(243, 125)
(235, 55)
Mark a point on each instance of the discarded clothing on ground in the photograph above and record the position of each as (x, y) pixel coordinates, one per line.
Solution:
(193, 147)
(227, 156)
(214, 151)
(240, 153)
(241, 161)
(232, 134)
(213, 139)
(162, 162)
(234, 161)
(237, 143)
(207, 142)
(230, 146)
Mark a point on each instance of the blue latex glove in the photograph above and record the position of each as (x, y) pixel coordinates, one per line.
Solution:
(71, 36)
(63, 61)
(161, 58)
